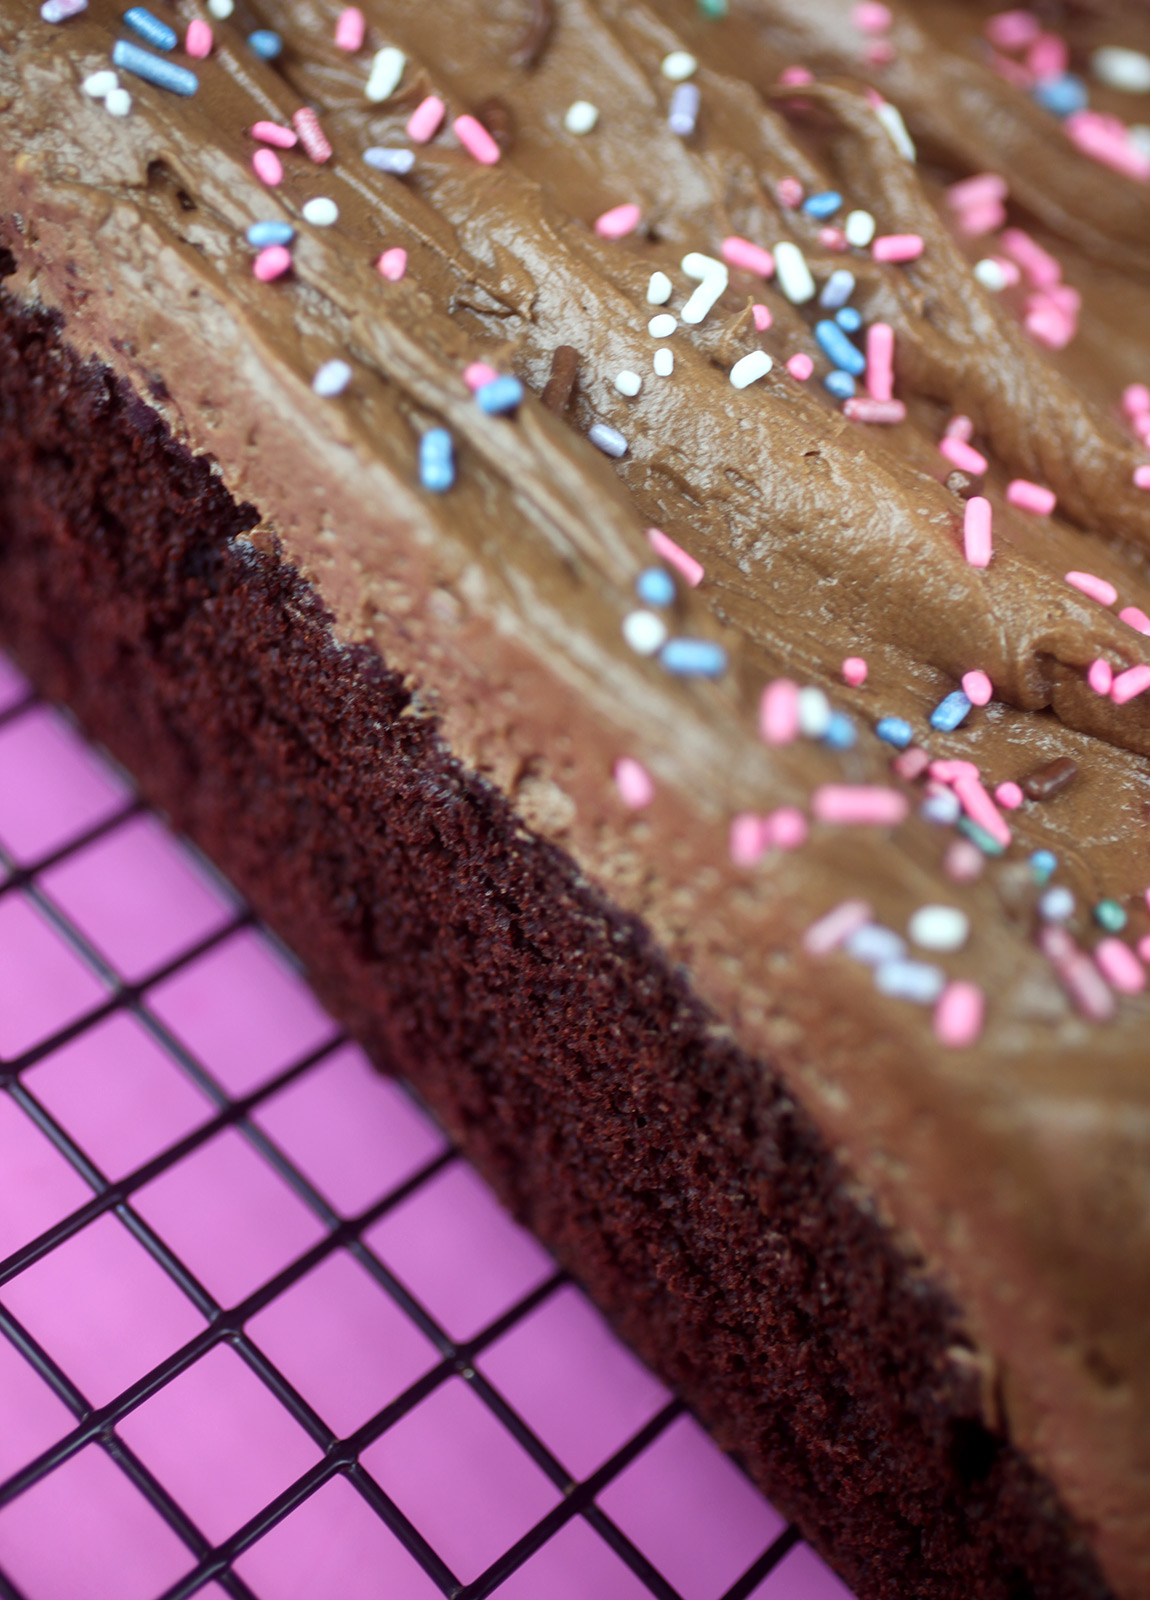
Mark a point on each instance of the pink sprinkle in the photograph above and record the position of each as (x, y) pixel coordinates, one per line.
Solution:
(879, 53)
(779, 712)
(880, 360)
(898, 247)
(1062, 295)
(1135, 399)
(1134, 681)
(268, 167)
(855, 671)
(1142, 477)
(271, 263)
(198, 42)
(790, 190)
(963, 862)
(861, 408)
(1012, 71)
(863, 804)
(747, 841)
(950, 771)
(800, 366)
(977, 687)
(1009, 796)
(964, 456)
(761, 315)
(750, 257)
(675, 556)
(1107, 144)
(978, 531)
(1100, 676)
(1097, 588)
(633, 782)
(981, 190)
(618, 222)
(958, 1016)
(836, 927)
(1048, 57)
(273, 133)
(1143, 948)
(392, 264)
(786, 828)
(476, 140)
(1050, 326)
(423, 123)
(977, 220)
(960, 427)
(1135, 617)
(311, 135)
(1031, 496)
(1038, 264)
(1079, 976)
(1008, 271)
(832, 238)
(477, 374)
(349, 30)
(980, 808)
(870, 16)
(1012, 30)
(1142, 426)
(1120, 966)
(910, 764)
(794, 78)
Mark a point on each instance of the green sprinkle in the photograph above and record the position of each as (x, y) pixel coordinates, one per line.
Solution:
(713, 8)
(1109, 914)
(979, 836)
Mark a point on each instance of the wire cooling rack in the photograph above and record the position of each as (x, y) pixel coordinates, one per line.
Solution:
(265, 1334)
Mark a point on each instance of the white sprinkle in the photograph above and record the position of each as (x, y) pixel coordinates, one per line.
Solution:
(581, 116)
(100, 84)
(891, 119)
(939, 928)
(910, 980)
(838, 289)
(659, 289)
(793, 274)
(990, 275)
(814, 713)
(607, 439)
(944, 807)
(320, 212)
(644, 632)
(662, 326)
(628, 383)
(1057, 904)
(331, 379)
(750, 368)
(874, 944)
(859, 229)
(1116, 67)
(664, 362)
(118, 102)
(221, 8)
(386, 70)
(712, 277)
(678, 65)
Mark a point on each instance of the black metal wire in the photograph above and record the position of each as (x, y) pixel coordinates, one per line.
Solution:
(97, 1424)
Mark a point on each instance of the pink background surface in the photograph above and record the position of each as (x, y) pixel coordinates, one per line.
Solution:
(237, 1201)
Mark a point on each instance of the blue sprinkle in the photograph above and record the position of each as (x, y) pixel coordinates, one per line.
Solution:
(917, 981)
(607, 439)
(684, 112)
(502, 394)
(839, 350)
(1043, 864)
(262, 234)
(841, 732)
(848, 319)
(979, 836)
(894, 730)
(385, 160)
(822, 205)
(838, 289)
(840, 384)
(153, 69)
(875, 945)
(436, 460)
(655, 587)
(266, 44)
(157, 33)
(694, 658)
(948, 713)
(1063, 96)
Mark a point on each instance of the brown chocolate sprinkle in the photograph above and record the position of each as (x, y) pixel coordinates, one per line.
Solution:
(962, 484)
(534, 42)
(564, 366)
(1045, 781)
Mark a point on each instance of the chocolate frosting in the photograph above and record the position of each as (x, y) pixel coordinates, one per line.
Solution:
(1016, 1169)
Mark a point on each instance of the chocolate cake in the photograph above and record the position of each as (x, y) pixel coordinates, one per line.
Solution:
(622, 528)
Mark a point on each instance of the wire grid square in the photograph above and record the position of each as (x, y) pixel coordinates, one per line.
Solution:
(264, 1334)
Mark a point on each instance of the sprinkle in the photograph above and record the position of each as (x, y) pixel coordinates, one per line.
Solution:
(779, 712)
(273, 133)
(683, 114)
(424, 121)
(1100, 676)
(863, 409)
(786, 828)
(221, 9)
(794, 275)
(619, 221)
(841, 732)
(1008, 795)
(950, 712)
(61, 10)
(860, 229)
(838, 289)
(99, 84)
(1135, 617)
(854, 670)
(840, 384)
(1110, 915)
(977, 529)
(891, 119)
(898, 247)
(790, 190)
(712, 277)
(382, 159)
(750, 368)
(331, 379)
(580, 117)
(628, 383)
(690, 570)
(1031, 496)
(959, 1014)
(1135, 399)
(1120, 68)
(963, 456)
(950, 771)
(1110, 146)
(894, 730)
(963, 862)
(936, 927)
(1120, 966)
(1096, 588)
(118, 102)
(1134, 681)
(823, 204)
(983, 189)
(659, 288)
(311, 135)
(678, 65)
(1012, 30)
(880, 360)
(873, 945)
(848, 319)
(747, 839)
(791, 78)
(265, 43)
(557, 390)
(977, 687)
(477, 373)
(320, 212)
(984, 841)
(1057, 904)
(1142, 477)
(836, 927)
(437, 460)
(864, 804)
(350, 29)
(644, 632)
(198, 39)
(663, 362)
(871, 16)
(634, 784)
(501, 395)
(838, 349)
(271, 263)
(392, 264)
(910, 764)
(607, 439)
(1040, 267)
(916, 981)
(386, 71)
(1049, 779)
(154, 69)
(1144, 948)
(800, 366)
(981, 809)
(149, 27)
(1079, 976)
(694, 658)
(1043, 864)
(814, 713)
(662, 326)
(748, 257)
(476, 140)
(655, 587)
